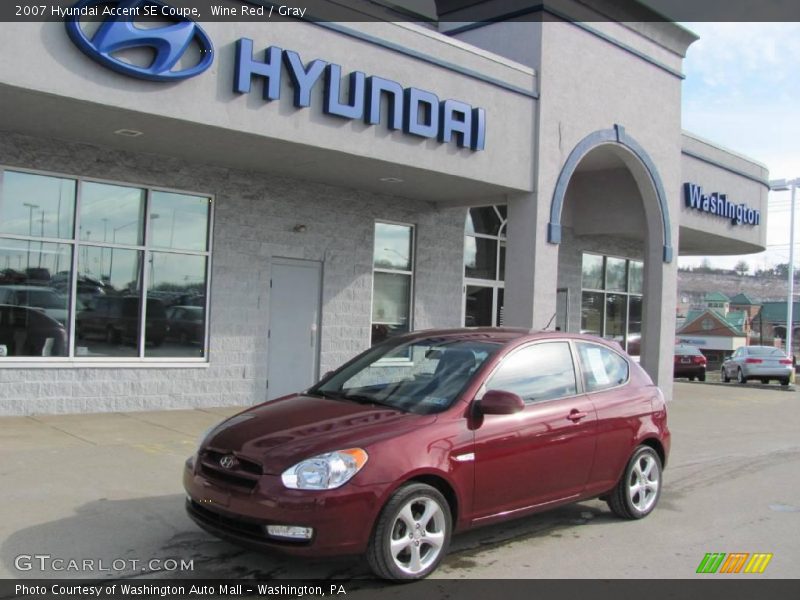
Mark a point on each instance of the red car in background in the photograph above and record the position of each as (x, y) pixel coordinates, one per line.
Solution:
(429, 434)
(689, 362)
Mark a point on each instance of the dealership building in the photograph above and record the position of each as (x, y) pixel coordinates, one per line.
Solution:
(220, 218)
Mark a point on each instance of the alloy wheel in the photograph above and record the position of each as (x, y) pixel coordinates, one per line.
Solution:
(644, 482)
(417, 535)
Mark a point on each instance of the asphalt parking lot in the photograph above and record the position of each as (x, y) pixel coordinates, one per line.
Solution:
(108, 486)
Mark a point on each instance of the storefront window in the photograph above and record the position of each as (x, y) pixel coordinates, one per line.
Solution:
(616, 280)
(479, 303)
(592, 313)
(392, 280)
(119, 285)
(484, 266)
(592, 272)
(611, 301)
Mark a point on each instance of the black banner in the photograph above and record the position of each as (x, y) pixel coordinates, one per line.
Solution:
(450, 12)
(731, 588)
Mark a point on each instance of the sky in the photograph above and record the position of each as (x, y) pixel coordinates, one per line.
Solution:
(742, 91)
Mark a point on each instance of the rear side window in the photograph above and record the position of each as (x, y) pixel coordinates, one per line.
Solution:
(602, 367)
(538, 372)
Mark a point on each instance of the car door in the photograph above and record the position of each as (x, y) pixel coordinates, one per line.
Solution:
(732, 363)
(622, 410)
(543, 453)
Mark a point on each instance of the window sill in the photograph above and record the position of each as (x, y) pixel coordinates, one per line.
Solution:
(19, 363)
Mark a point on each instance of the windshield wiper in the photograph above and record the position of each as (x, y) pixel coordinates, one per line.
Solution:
(363, 399)
(322, 394)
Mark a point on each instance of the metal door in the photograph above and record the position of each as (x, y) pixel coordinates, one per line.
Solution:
(294, 314)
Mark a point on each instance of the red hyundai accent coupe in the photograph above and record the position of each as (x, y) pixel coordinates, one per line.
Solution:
(429, 434)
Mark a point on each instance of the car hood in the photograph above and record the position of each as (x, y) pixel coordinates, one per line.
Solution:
(280, 433)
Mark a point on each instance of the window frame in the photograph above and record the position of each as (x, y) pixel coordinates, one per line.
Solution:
(141, 360)
(605, 292)
(495, 284)
(411, 291)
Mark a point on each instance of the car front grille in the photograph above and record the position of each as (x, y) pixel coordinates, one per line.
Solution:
(244, 474)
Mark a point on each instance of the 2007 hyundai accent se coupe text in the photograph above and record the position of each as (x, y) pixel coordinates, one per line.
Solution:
(429, 434)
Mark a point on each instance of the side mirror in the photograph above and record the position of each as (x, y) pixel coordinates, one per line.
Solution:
(498, 402)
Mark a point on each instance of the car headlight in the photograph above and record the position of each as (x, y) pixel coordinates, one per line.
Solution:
(325, 471)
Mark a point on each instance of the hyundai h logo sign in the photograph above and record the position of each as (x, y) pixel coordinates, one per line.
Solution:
(117, 33)
(355, 96)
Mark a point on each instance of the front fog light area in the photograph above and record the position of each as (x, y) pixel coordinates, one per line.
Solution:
(290, 532)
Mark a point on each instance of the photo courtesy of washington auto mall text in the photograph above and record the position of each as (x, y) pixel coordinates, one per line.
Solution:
(173, 590)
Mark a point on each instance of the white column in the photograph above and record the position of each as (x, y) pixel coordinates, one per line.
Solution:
(531, 265)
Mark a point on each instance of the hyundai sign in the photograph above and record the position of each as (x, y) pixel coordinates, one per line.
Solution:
(415, 111)
(719, 205)
(118, 33)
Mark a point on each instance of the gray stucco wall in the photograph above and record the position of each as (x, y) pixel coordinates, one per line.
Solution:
(255, 214)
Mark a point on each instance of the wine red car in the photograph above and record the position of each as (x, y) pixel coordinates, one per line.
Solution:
(429, 434)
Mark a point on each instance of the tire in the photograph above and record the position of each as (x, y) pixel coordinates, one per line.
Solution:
(740, 378)
(785, 381)
(764, 380)
(725, 376)
(691, 378)
(412, 556)
(631, 499)
(702, 376)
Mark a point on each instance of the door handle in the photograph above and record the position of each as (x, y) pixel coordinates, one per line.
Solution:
(576, 415)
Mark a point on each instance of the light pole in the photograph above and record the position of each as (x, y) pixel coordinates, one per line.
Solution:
(781, 185)
(30, 230)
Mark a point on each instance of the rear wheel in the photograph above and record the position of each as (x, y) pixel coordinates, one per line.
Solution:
(639, 488)
(412, 534)
(691, 378)
(740, 376)
(785, 381)
(724, 375)
(764, 380)
(702, 376)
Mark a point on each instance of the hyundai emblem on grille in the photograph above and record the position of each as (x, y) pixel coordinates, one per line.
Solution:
(228, 461)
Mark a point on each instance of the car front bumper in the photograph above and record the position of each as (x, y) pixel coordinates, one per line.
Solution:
(341, 519)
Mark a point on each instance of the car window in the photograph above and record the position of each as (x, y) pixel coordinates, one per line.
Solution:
(602, 367)
(536, 373)
(766, 351)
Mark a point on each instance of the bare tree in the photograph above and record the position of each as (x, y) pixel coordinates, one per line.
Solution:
(741, 268)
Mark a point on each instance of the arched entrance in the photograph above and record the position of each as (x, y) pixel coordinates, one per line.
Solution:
(610, 217)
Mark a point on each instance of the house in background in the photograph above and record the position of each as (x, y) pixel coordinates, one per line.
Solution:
(770, 324)
(716, 328)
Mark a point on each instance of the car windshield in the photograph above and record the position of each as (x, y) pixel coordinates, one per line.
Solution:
(765, 351)
(421, 376)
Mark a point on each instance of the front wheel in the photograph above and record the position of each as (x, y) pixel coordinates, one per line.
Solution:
(639, 488)
(412, 534)
(740, 378)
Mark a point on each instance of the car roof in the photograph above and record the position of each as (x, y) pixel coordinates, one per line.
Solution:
(25, 288)
(503, 335)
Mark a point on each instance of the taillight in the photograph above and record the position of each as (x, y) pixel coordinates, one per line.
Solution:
(786, 361)
(699, 360)
(754, 361)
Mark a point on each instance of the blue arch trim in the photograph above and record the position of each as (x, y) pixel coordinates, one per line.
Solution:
(615, 135)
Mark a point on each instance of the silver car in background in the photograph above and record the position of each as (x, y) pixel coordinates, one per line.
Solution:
(758, 362)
